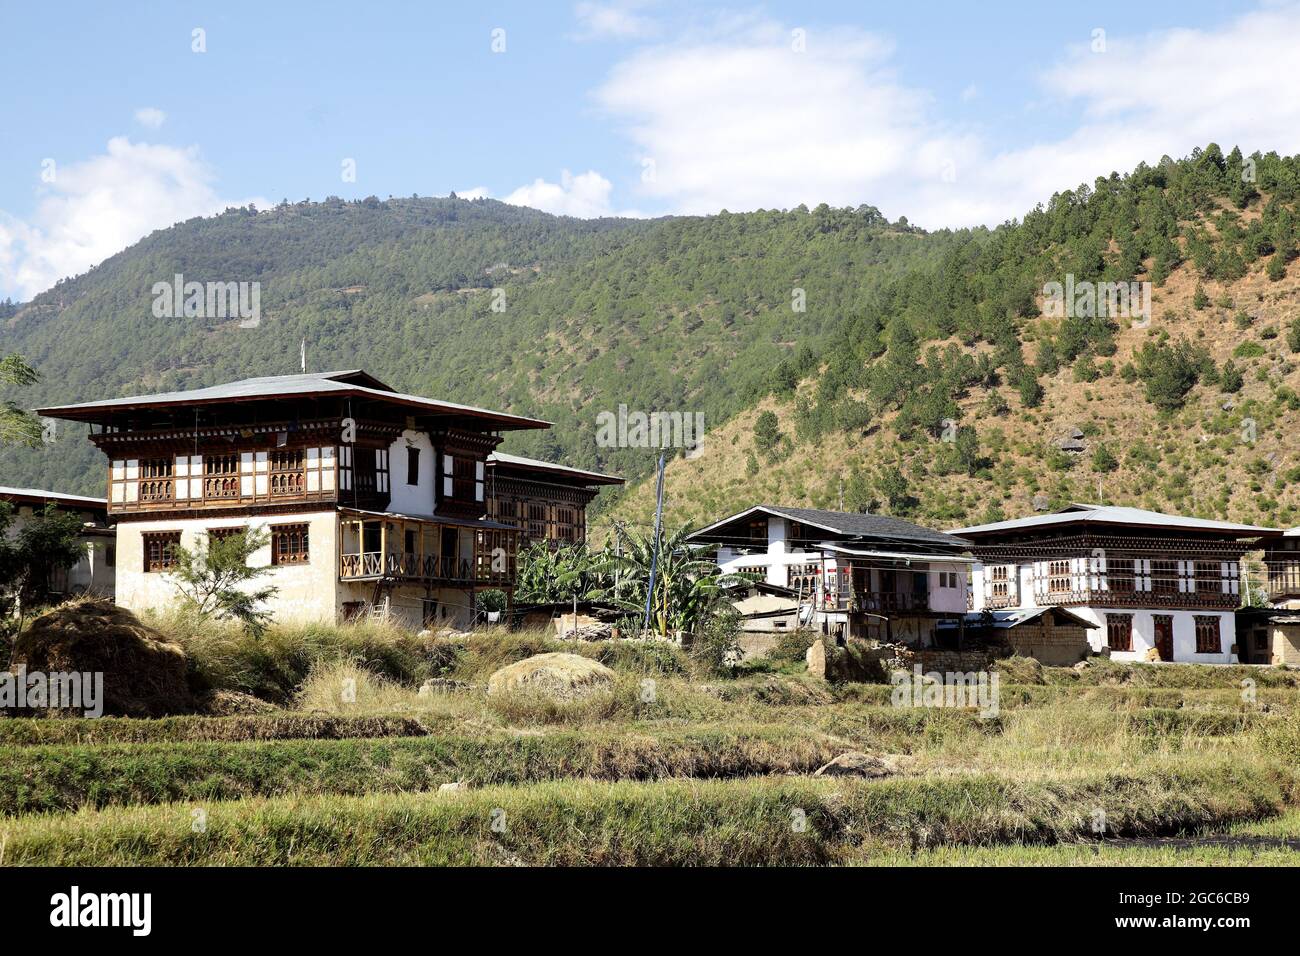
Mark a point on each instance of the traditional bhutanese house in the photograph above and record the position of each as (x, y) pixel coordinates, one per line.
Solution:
(866, 575)
(1271, 635)
(375, 501)
(1157, 586)
(1051, 635)
(95, 573)
(543, 501)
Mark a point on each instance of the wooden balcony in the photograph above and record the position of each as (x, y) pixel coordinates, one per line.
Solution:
(373, 565)
(402, 549)
(882, 602)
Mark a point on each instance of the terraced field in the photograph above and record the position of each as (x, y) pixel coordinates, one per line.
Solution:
(1116, 765)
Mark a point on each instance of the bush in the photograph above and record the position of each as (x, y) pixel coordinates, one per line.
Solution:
(792, 646)
(715, 645)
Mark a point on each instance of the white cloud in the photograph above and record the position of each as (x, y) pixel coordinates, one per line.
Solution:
(478, 192)
(95, 208)
(735, 118)
(150, 116)
(586, 195)
(618, 21)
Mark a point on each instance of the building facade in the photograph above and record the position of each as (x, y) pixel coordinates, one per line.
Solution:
(375, 502)
(1156, 586)
(542, 501)
(96, 572)
(860, 575)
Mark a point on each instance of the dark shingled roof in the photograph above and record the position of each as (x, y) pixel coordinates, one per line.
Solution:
(854, 525)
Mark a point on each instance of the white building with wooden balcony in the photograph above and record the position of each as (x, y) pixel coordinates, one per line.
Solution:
(375, 501)
(1152, 583)
(862, 575)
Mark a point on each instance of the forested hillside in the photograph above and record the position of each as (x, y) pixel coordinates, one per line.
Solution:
(833, 355)
(678, 314)
(950, 397)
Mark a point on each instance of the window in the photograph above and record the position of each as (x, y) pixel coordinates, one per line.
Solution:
(1119, 632)
(1208, 577)
(159, 550)
(948, 579)
(412, 466)
(288, 473)
(1164, 577)
(1208, 638)
(221, 534)
(220, 476)
(462, 478)
(289, 544)
(1000, 581)
(155, 479)
(1119, 575)
(1058, 577)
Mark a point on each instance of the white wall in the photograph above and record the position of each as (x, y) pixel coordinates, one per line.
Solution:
(307, 592)
(951, 600)
(1144, 633)
(407, 499)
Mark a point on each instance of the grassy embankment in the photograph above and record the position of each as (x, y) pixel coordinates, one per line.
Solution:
(688, 768)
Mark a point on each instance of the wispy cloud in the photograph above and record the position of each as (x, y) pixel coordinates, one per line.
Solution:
(617, 20)
(750, 114)
(150, 116)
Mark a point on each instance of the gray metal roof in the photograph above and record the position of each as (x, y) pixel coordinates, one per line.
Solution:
(289, 386)
(55, 496)
(1013, 617)
(522, 462)
(854, 525)
(1115, 514)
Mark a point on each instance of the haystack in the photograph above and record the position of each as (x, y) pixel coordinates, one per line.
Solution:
(144, 673)
(559, 676)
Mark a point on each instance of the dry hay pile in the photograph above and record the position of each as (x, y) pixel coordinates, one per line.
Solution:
(144, 673)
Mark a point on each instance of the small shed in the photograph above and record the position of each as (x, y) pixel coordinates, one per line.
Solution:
(1051, 635)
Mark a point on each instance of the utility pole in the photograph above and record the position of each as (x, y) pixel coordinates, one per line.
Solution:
(654, 555)
(841, 492)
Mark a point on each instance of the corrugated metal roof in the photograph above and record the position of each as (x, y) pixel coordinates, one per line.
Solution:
(523, 462)
(288, 386)
(856, 525)
(1115, 514)
(1013, 617)
(51, 496)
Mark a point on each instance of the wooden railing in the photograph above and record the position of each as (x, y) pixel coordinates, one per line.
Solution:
(404, 565)
(883, 602)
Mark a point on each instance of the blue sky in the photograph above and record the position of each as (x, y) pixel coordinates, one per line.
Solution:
(948, 113)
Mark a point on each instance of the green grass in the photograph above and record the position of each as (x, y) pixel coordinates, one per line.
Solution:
(61, 777)
(674, 822)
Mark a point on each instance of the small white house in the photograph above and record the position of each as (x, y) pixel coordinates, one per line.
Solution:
(858, 575)
(96, 572)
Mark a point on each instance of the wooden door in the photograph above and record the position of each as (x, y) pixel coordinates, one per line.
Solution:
(1164, 627)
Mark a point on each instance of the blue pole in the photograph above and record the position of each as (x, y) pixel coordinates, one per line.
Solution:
(654, 555)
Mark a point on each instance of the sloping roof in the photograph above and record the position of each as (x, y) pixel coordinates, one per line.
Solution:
(1014, 617)
(853, 525)
(534, 464)
(1116, 515)
(36, 494)
(342, 384)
